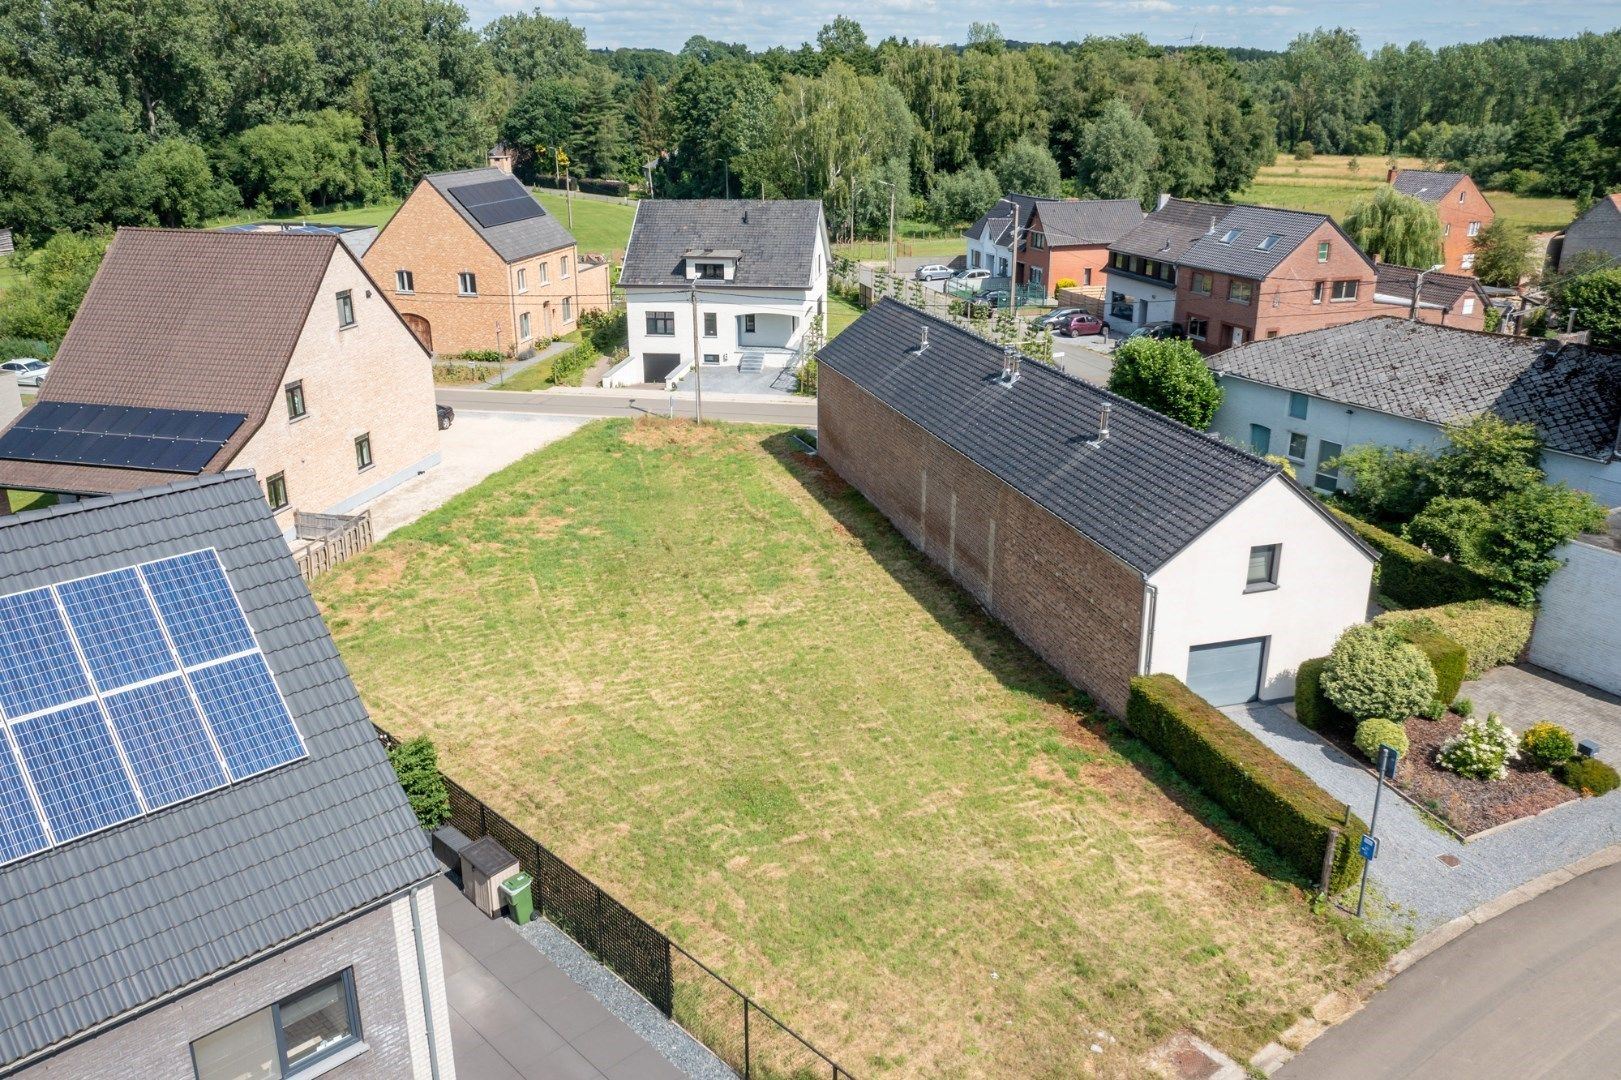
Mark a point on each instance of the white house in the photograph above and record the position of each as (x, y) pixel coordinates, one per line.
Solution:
(748, 275)
(989, 241)
(1392, 382)
(1112, 540)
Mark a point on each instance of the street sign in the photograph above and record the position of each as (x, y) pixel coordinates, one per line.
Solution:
(1387, 761)
(1370, 847)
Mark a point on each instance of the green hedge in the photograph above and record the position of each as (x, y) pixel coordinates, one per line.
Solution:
(1312, 706)
(1446, 656)
(567, 367)
(1412, 576)
(1492, 634)
(1271, 797)
(416, 763)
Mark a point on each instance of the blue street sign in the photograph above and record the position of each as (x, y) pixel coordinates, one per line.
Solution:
(1387, 761)
(1370, 847)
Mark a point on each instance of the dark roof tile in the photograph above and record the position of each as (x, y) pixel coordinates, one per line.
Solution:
(1424, 185)
(515, 240)
(776, 238)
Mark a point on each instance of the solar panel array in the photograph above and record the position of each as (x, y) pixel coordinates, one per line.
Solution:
(126, 692)
(497, 202)
(119, 436)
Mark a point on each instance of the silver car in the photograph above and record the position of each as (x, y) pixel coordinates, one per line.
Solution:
(932, 272)
(30, 370)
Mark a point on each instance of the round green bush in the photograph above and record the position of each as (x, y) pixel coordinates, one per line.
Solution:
(1372, 673)
(1370, 733)
(1547, 744)
(1481, 750)
(1590, 776)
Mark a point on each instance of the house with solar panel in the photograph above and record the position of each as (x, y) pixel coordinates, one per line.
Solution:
(197, 351)
(207, 865)
(474, 262)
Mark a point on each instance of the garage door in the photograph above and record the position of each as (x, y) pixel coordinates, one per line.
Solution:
(656, 367)
(1228, 672)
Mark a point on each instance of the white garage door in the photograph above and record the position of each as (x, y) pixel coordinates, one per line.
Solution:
(1578, 629)
(1227, 672)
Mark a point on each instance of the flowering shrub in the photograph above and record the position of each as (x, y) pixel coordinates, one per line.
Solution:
(1372, 672)
(1547, 744)
(1481, 750)
(1370, 733)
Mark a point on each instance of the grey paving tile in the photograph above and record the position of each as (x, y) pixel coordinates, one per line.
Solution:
(470, 988)
(516, 963)
(497, 1013)
(481, 1062)
(485, 940)
(530, 1040)
(543, 988)
(645, 1064)
(576, 1014)
(452, 956)
(609, 1043)
(564, 1063)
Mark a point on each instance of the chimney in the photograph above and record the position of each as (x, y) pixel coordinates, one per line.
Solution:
(1212, 231)
(1010, 365)
(1164, 197)
(922, 339)
(1390, 175)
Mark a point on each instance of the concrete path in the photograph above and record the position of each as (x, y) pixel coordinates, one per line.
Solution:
(515, 1015)
(1423, 891)
(588, 402)
(1529, 994)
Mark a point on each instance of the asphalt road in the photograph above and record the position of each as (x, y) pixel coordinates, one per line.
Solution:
(801, 411)
(1532, 993)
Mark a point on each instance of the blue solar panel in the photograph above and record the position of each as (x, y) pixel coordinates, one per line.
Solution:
(117, 628)
(165, 741)
(20, 831)
(81, 783)
(250, 721)
(198, 606)
(38, 668)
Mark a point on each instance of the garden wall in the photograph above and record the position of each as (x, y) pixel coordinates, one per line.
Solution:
(1578, 627)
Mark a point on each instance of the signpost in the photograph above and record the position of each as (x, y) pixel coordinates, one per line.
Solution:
(1370, 840)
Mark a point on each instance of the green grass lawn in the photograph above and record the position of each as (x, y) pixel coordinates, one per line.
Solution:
(706, 672)
(840, 313)
(30, 500)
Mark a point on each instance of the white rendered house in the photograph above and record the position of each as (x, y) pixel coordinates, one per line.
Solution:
(727, 283)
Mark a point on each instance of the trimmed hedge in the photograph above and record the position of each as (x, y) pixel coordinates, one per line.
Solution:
(1412, 576)
(1446, 656)
(1492, 634)
(1590, 776)
(1312, 706)
(1271, 797)
(590, 185)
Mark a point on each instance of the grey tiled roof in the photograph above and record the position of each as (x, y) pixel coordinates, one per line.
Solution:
(1442, 290)
(1190, 234)
(515, 240)
(1144, 493)
(1440, 374)
(1425, 185)
(1088, 221)
(777, 238)
(1000, 217)
(105, 924)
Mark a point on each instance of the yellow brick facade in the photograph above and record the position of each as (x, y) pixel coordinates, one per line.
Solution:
(517, 306)
(371, 378)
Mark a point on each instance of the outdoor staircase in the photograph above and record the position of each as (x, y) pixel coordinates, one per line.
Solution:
(750, 363)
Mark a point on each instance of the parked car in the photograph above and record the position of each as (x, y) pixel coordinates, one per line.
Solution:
(932, 272)
(447, 416)
(1056, 320)
(30, 370)
(1083, 325)
(996, 298)
(1159, 330)
(972, 279)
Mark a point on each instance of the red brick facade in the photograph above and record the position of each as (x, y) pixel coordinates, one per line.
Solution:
(1077, 606)
(1080, 263)
(1299, 295)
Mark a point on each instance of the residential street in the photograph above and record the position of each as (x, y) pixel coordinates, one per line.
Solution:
(789, 410)
(1531, 993)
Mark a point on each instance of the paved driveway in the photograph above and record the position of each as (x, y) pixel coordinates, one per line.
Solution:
(1524, 694)
(1532, 993)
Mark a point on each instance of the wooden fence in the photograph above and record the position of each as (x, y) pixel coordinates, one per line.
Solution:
(333, 538)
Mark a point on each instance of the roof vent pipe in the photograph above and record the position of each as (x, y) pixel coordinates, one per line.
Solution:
(1010, 365)
(1212, 230)
(922, 339)
(1103, 420)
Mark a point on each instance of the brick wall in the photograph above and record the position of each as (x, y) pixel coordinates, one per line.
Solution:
(1077, 606)
(1455, 218)
(1074, 263)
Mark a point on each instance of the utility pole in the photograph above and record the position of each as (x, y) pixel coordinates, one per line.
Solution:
(1013, 279)
(891, 228)
(1418, 287)
(568, 197)
(697, 358)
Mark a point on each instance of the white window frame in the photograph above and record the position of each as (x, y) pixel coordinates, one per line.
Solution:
(1469, 305)
(568, 309)
(405, 283)
(563, 266)
(522, 277)
(545, 272)
(1240, 283)
(1336, 298)
(466, 283)
(523, 326)
(1474, 228)
(1467, 261)
(1203, 328)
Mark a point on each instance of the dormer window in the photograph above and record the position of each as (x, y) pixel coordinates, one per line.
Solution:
(711, 271)
(1269, 242)
(1229, 236)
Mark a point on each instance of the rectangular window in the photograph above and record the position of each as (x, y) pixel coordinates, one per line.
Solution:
(295, 400)
(1263, 572)
(711, 358)
(363, 452)
(467, 283)
(276, 491)
(710, 327)
(404, 282)
(1467, 261)
(1317, 292)
(1469, 305)
(1200, 283)
(1197, 328)
(523, 326)
(568, 309)
(748, 324)
(1474, 227)
(1328, 476)
(523, 280)
(712, 271)
(293, 1034)
(1322, 251)
(1151, 268)
(346, 310)
(1345, 290)
(1260, 439)
(1239, 292)
(1038, 240)
(1088, 280)
(1298, 404)
(1269, 241)
(661, 324)
(1297, 445)
(1446, 230)
(562, 264)
(545, 272)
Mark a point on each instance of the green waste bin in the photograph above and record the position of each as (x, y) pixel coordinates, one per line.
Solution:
(519, 898)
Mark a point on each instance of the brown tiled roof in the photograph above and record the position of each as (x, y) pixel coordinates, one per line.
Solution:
(1440, 289)
(182, 319)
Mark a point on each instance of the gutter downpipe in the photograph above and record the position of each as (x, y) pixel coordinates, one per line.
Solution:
(1150, 609)
(422, 980)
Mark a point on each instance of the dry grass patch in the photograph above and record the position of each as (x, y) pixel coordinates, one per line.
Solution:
(728, 690)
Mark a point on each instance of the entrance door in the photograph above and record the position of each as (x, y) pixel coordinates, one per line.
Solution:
(419, 326)
(1228, 672)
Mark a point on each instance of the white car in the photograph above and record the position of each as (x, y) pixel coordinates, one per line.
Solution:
(932, 272)
(30, 370)
(972, 279)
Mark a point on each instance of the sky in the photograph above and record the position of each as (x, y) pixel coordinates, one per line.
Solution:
(666, 24)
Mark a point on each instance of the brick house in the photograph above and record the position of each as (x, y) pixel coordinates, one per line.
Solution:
(1059, 238)
(212, 350)
(1447, 299)
(1459, 204)
(1112, 540)
(1234, 273)
(474, 262)
(1596, 234)
(211, 872)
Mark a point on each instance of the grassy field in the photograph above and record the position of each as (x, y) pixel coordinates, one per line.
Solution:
(840, 313)
(1328, 185)
(712, 677)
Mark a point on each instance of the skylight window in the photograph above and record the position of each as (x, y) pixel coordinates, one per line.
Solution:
(1229, 236)
(1270, 241)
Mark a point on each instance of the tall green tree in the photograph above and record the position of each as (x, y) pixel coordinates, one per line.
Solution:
(1169, 377)
(719, 114)
(929, 78)
(528, 45)
(1117, 155)
(1395, 227)
(1502, 253)
(1596, 299)
(1027, 167)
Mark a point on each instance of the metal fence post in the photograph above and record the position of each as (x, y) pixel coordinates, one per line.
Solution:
(540, 882)
(748, 1057)
(1328, 858)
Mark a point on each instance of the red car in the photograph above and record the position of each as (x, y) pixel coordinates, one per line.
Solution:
(1082, 325)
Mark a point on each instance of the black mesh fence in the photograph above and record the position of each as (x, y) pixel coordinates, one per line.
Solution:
(746, 1037)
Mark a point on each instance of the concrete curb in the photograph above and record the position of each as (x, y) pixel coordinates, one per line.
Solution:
(1272, 1056)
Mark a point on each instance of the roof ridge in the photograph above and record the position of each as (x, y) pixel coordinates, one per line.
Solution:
(235, 236)
(154, 491)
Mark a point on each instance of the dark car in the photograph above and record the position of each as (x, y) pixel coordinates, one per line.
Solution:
(447, 416)
(1083, 325)
(1056, 320)
(1160, 330)
(996, 298)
